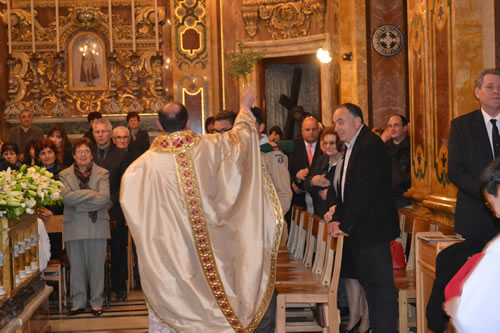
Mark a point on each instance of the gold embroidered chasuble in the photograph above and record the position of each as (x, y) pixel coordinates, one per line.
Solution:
(207, 223)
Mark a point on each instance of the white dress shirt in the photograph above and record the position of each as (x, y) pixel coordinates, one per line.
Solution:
(489, 128)
(347, 156)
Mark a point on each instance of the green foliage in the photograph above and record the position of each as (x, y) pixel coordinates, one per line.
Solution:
(241, 62)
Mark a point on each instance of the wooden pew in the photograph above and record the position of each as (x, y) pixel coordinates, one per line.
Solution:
(292, 271)
(292, 237)
(405, 279)
(296, 256)
(312, 288)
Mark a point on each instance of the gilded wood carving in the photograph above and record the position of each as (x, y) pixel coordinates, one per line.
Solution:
(86, 76)
(284, 19)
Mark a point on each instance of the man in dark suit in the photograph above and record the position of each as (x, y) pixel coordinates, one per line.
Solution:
(91, 117)
(367, 213)
(472, 145)
(400, 153)
(24, 133)
(114, 160)
(302, 159)
(139, 138)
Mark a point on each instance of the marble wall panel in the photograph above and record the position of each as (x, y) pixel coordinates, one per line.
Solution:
(388, 75)
(193, 94)
(193, 58)
(353, 73)
(442, 101)
(468, 30)
(497, 35)
(232, 30)
(419, 106)
(332, 25)
(360, 55)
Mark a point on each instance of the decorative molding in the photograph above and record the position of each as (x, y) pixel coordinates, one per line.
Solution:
(194, 85)
(250, 18)
(387, 40)
(419, 163)
(440, 204)
(442, 86)
(291, 47)
(284, 19)
(85, 18)
(191, 34)
(71, 3)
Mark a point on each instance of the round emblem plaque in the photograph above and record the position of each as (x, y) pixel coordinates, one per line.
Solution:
(387, 40)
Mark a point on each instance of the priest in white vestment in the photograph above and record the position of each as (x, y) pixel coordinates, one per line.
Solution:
(206, 222)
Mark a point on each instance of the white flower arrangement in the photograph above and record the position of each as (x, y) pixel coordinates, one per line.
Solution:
(23, 191)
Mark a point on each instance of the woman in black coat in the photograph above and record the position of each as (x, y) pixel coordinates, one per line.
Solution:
(45, 152)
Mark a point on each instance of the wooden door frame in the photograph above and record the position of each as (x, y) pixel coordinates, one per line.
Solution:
(295, 47)
(292, 60)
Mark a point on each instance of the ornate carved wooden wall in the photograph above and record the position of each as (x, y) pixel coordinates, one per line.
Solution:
(115, 82)
(444, 52)
(196, 34)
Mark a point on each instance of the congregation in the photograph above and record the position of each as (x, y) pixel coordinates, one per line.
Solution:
(323, 171)
(91, 169)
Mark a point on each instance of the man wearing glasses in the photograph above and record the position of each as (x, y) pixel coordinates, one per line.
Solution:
(114, 159)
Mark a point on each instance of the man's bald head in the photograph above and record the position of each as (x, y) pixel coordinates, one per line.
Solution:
(173, 117)
(310, 130)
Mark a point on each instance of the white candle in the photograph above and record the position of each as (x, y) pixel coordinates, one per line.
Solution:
(157, 36)
(9, 33)
(110, 21)
(33, 26)
(133, 25)
(57, 27)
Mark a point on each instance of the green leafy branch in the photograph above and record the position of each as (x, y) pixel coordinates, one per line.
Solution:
(240, 63)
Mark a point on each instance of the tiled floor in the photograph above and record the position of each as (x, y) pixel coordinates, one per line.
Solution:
(122, 317)
(128, 316)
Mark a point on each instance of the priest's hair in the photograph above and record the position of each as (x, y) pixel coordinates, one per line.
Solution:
(173, 120)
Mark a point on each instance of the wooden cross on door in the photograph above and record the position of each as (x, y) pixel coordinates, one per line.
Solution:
(294, 113)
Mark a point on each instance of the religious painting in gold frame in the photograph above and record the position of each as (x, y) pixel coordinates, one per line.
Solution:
(87, 62)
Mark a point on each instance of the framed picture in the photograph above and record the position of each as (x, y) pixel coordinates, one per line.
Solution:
(87, 62)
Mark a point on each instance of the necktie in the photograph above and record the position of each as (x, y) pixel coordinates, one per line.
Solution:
(100, 155)
(310, 154)
(495, 137)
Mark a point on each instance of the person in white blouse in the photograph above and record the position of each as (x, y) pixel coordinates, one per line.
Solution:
(43, 245)
(476, 309)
